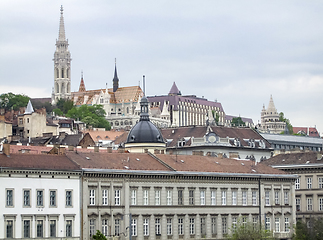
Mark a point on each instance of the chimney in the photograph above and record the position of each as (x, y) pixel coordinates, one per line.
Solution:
(96, 148)
(109, 149)
(6, 149)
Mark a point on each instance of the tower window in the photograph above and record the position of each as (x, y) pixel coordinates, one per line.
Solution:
(62, 73)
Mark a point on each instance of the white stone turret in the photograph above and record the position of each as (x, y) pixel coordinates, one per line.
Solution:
(62, 65)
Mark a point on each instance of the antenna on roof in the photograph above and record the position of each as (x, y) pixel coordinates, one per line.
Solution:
(144, 85)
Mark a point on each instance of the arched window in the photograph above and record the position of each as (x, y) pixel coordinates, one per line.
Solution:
(57, 88)
(62, 73)
(68, 87)
(57, 73)
(67, 72)
(63, 88)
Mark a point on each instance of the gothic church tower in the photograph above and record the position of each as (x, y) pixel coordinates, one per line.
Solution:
(62, 65)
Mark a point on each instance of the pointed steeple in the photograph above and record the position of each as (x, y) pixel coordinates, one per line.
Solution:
(115, 78)
(271, 106)
(174, 90)
(61, 34)
(82, 85)
(29, 109)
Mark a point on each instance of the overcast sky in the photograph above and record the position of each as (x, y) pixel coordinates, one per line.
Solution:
(235, 52)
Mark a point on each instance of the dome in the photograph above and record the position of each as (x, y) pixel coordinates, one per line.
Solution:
(145, 132)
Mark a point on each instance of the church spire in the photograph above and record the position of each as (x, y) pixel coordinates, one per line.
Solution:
(115, 79)
(82, 85)
(61, 34)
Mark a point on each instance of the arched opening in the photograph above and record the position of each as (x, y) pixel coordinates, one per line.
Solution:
(62, 73)
(57, 88)
(63, 88)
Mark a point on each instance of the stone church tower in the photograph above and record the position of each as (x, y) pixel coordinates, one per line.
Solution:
(62, 66)
(270, 119)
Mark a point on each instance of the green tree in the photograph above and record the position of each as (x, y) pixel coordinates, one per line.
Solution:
(286, 120)
(47, 105)
(92, 115)
(249, 231)
(99, 236)
(58, 112)
(10, 101)
(314, 232)
(64, 105)
(237, 122)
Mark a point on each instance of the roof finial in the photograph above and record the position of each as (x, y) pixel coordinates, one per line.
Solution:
(144, 85)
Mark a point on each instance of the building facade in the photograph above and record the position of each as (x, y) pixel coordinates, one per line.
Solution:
(309, 184)
(158, 197)
(39, 197)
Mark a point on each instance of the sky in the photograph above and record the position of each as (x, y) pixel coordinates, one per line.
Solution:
(238, 53)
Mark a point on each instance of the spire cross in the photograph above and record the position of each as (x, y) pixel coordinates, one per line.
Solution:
(62, 9)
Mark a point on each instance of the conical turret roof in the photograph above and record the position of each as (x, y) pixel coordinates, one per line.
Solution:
(61, 34)
(174, 90)
(29, 109)
(271, 106)
(82, 85)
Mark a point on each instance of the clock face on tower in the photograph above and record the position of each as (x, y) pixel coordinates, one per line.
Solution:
(211, 137)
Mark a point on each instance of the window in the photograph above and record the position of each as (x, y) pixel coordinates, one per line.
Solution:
(309, 201)
(92, 227)
(134, 227)
(192, 226)
(40, 198)
(39, 228)
(202, 197)
(234, 223)
(104, 197)
(298, 204)
(277, 224)
(169, 197)
(169, 226)
(224, 197)
(213, 225)
(320, 204)
(234, 197)
(117, 197)
(157, 197)
(224, 225)
(297, 186)
(145, 197)
(320, 181)
(68, 228)
(9, 201)
(133, 197)
(26, 228)
(117, 227)
(180, 226)
(180, 197)
(254, 198)
(92, 196)
(244, 198)
(105, 225)
(244, 221)
(286, 224)
(9, 228)
(309, 182)
(146, 226)
(267, 198)
(52, 228)
(69, 198)
(26, 198)
(286, 197)
(277, 202)
(52, 198)
(191, 197)
(255, 222)
(157, 226)
(213, 197)
(267, 223)
(203, 226)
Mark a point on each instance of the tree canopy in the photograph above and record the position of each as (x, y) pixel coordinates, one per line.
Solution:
(249, 231)
(10, 101)
(91, 115)
(286, 120)
(313, 232)
(237, 122)
(99, 236)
